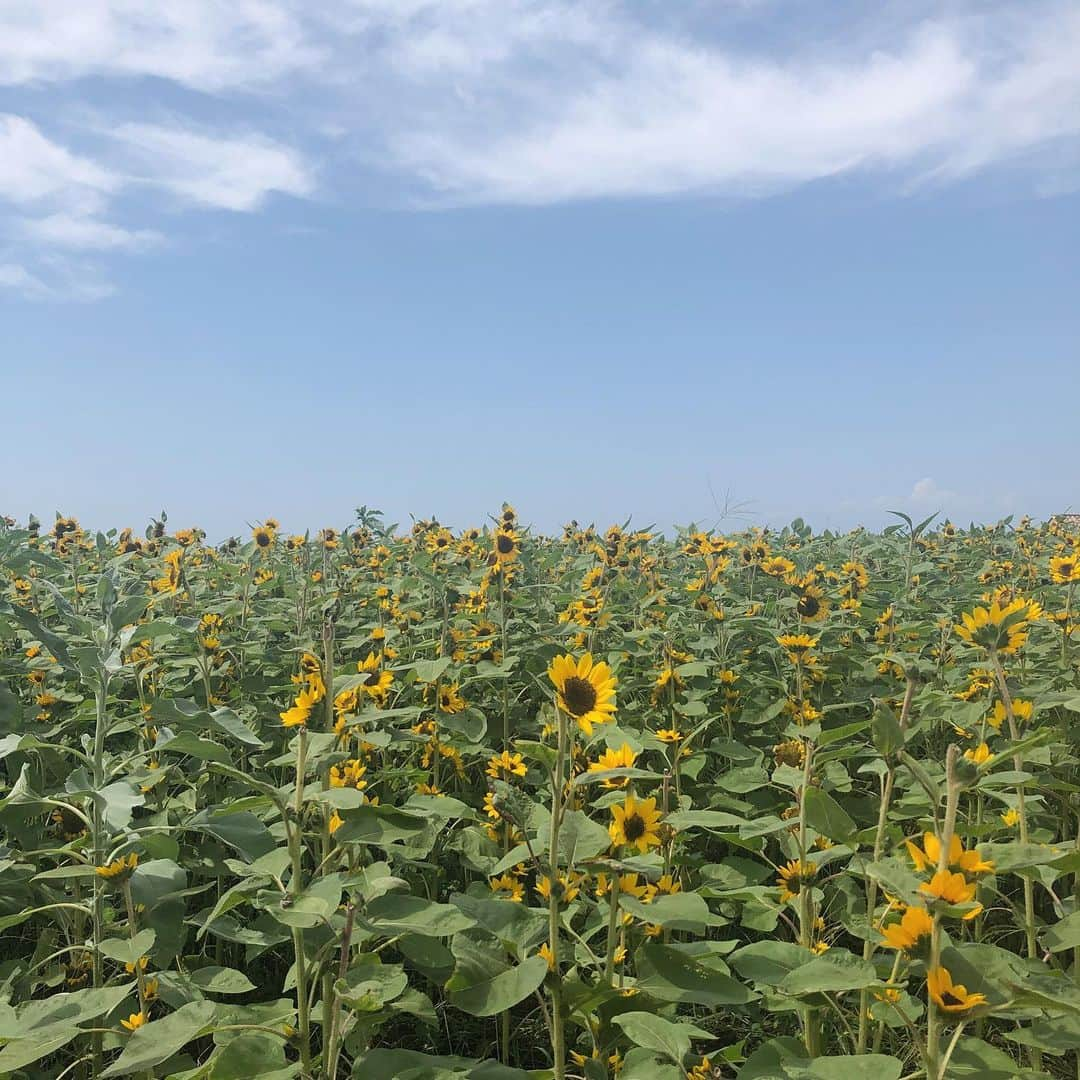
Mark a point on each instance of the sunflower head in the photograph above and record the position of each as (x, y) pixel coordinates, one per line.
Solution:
(636, 824)
(584, 690)
(949, 996)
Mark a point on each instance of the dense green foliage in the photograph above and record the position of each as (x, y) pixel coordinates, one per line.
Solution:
(487, 803)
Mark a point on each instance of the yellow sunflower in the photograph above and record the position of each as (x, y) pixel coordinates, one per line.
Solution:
(623, 758)
(119, 869)
(1004, 629)
(377, 682)
(812, 604)
(585, 691)
(507, 545)
(635, 824)
(949, 996)
(792, 877)
(1064, 569)
(796, 646)
(906, 934)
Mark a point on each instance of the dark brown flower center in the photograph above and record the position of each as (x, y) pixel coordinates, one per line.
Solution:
(634, 827)
(262, 539)
(808, 606)
(504, 545)
(950, 999)
(579, 695)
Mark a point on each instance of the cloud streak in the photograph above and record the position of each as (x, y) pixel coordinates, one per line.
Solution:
(532, 102)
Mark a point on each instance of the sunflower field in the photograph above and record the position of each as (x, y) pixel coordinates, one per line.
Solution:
(418, 803)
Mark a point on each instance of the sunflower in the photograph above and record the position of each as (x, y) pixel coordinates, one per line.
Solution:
(507, 887)
(793, 876)
(507, 545)
(348, 774)
(635, 824)
(439, 540)
(812, 604)
(377, 682)
(119, 869)
(565, 886)
(777, 566)
(1064, 569)
(965, 862)
(950, 996)
(623, 758)
(997, 628)
(585, 691)
(980, 755)
(1022, 710)
(450, 699)
(135, 1020)
(906, 934)
(950, 887)
(796, 646)
(263, 536)
(505, 765)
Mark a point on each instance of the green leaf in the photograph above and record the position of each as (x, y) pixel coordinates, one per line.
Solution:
(856, 1067)
(483, 983)
(678, 911)
(391, 915)
(769, 962)
(128, 950)
(664, 1036)
(253, 1055)
(836, 970)
(668, 974)
(157, 1041)
(826, 816)
(1063, 935)
(221, 980)
(885, 730)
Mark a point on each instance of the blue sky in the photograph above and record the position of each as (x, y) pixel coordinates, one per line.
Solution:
(595, 258)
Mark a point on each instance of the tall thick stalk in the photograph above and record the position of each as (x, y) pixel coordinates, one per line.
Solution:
(558, 1037)
(871, 884)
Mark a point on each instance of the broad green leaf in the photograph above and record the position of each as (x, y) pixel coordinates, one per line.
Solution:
(157, 1041)
(666, 973)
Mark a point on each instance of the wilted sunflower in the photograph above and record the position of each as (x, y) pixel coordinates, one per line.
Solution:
(635, 824)
(585, 691)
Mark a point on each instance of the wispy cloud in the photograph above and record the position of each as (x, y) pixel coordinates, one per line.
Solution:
(219, 106)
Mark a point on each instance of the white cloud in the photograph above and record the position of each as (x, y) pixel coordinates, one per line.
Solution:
(512, 101)
(637, 111)
(34, 168)
(86, 233)
(926, 490)
(20, 280)
(205, 44)
(232, 173)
